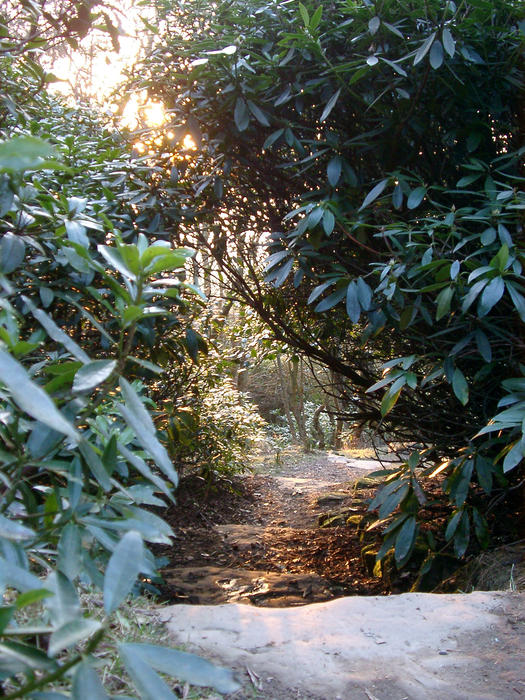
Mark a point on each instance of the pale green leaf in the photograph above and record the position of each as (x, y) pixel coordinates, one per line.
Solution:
(122, 570)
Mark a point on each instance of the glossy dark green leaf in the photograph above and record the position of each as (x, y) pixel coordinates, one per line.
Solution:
(333, 170)
(330, 105)
(448, 42)
(331, 300)
(328, 222)
(258, 113)
(491, 295)
(241, 114)
(436, 55)
(56, 333)
(353, 306)
(95, 464)
(460, 386)
(405, 540)
(374, 193)
(92, 374)
(424, 48)
(513, 457)
(462, 535)
(416, 197)
(443, 302)
(374, 24)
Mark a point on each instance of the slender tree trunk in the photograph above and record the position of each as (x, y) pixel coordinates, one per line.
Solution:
(286, 399)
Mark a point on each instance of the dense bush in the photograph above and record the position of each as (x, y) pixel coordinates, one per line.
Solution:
(84, 291)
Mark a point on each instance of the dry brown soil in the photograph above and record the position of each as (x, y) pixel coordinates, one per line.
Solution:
(258, 540)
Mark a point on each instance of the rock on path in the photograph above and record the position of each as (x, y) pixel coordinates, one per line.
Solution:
(415, 646)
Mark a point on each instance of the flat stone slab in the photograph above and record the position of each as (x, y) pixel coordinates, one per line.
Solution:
(415, 646)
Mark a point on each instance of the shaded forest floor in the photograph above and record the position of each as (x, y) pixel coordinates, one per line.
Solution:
(260, 540)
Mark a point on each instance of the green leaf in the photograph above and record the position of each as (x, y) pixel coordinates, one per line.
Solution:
(56, 333)
(304, 14)
(258, 113)
(69, 551)
(16, 577)
(64, 605)
(484, 470)
(436, 55)
(316, 18)
(499, 261)
(483, 345)
(462, 535)
(389, 401)
(149, 684)
(448, 42)
(241, 114)
(31, 597)
(330, 105)
(140, 422)
(373, 25)
(71, 633)
(424, 48)
(12, 252)
(6, 613)
(416, 197)
(21, 658)
(115, 259)
(353, 306)
(333, 170)
(460, 386)
(124, 566)
(405, 541)
(374, 193)
(513, 457)
(397, 196)
(31, 398)
(92, 374)
(453, 524)
(272, 138)
(328, 222)
(186, 667)
(87, 684)
(443, 301)
(517, 299)
(141, 466)
(95, 464)
(14, 531)
(491, 295)
(331, 300)
(25, 153)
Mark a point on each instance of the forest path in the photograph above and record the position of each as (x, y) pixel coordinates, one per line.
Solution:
(252, 564)
(263, 545)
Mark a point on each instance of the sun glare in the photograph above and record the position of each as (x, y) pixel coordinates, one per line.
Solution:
(189, 143)
(154, 113)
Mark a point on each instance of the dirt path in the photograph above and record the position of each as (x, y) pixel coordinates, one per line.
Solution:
(252, 562)
(263, 545)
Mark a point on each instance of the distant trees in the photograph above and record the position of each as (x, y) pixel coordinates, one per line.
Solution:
(379, 148)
